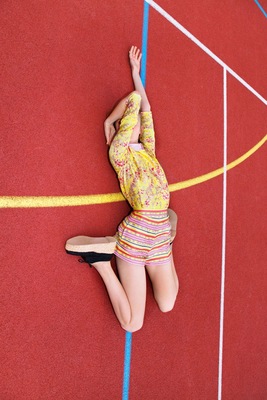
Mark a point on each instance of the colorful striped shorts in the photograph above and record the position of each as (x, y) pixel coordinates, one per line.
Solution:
(144, 238)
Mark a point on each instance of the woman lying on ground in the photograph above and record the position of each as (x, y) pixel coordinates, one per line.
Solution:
(144, 239)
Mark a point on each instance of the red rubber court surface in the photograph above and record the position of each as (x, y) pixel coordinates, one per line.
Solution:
(64, 65)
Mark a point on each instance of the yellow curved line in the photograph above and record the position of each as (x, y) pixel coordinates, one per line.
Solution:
(202, 178)
(66, 201)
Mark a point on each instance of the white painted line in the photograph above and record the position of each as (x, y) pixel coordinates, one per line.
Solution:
(204, 48)
(223, 233)
(261, 8)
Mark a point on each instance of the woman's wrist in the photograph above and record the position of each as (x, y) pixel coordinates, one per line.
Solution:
(135, 71)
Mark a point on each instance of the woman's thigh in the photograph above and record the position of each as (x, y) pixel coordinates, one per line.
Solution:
(133, 280)
(165, 284)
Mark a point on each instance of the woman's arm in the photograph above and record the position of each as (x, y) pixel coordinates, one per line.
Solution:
(119, 146)
(135, 59)
(116, 114)
(147, 134)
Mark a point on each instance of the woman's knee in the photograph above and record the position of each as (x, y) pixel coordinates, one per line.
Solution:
(133, 326)
(167, 304)
(134, 92)
(134, 99)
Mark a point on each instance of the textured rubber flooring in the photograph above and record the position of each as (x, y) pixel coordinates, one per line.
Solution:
(64, 65)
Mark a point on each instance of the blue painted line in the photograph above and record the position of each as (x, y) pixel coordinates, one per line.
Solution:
(128, 335)
(127, 366)
(144, 43)
(261, 8)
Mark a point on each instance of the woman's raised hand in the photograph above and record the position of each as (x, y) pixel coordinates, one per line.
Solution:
(135, 58)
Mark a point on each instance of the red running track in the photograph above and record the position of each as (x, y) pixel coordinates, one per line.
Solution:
(64, 66)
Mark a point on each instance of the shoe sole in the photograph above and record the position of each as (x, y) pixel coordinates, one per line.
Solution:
(82, 244)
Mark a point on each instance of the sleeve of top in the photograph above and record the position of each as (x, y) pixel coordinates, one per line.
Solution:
(147, 136)
(119, 146)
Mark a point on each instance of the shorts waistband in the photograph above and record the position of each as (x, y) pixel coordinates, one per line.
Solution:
(150, 214)
(150, 211)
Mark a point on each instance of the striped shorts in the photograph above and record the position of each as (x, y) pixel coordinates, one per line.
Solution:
(144, 238)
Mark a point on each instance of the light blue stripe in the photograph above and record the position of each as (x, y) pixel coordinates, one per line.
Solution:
(261, 8)
(128, 335)
(144, 43)
(127, 366)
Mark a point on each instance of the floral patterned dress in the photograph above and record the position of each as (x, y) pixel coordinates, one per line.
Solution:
(142, 179)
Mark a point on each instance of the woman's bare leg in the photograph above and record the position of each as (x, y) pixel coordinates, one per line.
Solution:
(165, 284)
(173, 221)
(127, 295)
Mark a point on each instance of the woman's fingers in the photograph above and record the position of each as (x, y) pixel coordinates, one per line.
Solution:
(131, 50)
(135, 53)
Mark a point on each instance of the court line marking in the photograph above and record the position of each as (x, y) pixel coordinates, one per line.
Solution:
(127, 366)
(93, 199)
(224, 214)
(261, 8)
(128, 335)
(144, 43)
(204, 48)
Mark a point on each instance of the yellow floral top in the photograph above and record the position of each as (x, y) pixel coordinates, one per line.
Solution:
(142, 179)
